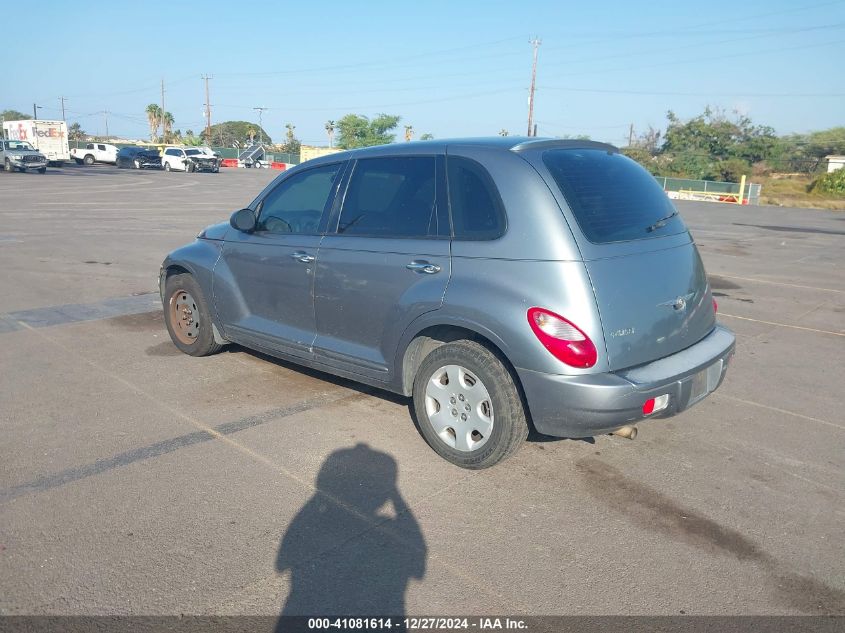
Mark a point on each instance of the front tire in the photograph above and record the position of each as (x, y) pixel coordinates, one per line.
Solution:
(8, 166)
(42, 170)
(187, 316)
(468, 406)
(166, 166)
(137, 164)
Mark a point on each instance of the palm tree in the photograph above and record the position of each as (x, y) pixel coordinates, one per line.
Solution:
(409, 132)
(503, 132)
(167, 126)
(330, 132)
(154, 118)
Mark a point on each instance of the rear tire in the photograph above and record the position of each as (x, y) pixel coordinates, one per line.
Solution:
(468, 406)
(187, 316)
(88, 160)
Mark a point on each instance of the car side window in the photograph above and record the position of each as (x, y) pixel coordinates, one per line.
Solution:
(297, 204)
(392, 197)
(477, 210)
(89, 146)
(102, 148)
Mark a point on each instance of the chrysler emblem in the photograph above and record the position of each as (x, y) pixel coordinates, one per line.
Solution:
(678, 303)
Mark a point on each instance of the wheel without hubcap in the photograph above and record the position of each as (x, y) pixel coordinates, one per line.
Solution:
(187, 317)
(184, 317)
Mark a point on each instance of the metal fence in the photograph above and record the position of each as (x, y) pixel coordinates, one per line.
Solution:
(687, 188)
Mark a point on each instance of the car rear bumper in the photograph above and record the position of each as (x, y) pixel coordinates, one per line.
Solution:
(592, 404)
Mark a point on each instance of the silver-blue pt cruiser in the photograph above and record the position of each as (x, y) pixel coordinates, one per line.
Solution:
(501, 283)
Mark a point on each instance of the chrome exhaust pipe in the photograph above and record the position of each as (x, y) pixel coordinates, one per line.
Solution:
(629, 432)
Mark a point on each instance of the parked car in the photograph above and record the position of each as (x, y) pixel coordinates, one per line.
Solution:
(138, 157)
(187, 160)
(20, 156)
(501, 283)
(94, 153)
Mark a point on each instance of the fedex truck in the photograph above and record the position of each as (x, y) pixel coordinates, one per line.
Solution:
(48, 137)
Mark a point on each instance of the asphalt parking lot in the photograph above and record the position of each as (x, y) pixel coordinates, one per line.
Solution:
(137, 480)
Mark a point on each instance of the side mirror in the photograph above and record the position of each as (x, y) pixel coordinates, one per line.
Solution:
(243, 220)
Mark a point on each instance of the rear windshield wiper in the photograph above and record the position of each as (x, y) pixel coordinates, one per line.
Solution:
(661, 222)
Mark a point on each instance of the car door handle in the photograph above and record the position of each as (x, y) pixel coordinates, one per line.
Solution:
(423, 266)
(303, 257)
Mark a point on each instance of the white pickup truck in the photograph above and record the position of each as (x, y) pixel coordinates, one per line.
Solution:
(94, 153)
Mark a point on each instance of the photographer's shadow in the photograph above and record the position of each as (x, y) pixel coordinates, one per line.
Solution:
(355, 545)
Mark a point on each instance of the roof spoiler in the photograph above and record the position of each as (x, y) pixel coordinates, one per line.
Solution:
(560, 143)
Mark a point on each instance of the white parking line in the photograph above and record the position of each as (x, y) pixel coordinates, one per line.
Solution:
(779, 410)
(779, 283)
(794, 327)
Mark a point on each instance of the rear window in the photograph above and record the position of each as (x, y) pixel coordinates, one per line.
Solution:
(612, 198)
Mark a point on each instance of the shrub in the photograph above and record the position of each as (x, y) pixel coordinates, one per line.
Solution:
(832, 183)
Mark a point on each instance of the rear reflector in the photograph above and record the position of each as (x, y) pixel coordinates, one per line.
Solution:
(562, 338)
(715, 306)
(653, 405)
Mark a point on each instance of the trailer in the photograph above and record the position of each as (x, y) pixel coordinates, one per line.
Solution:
(48, 137)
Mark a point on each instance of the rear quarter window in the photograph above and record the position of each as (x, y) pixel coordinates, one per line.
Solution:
(477, 210)
(612, 198)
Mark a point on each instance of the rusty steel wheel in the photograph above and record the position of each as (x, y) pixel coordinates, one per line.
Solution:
(188, 319)
(184, 317)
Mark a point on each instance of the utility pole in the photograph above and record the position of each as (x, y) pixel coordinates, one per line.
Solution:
(207, 110)
(34, 111)
(260, 125)
(62, 99)
(631, 135)
(536, 44)
(106, 115)
(162, 111)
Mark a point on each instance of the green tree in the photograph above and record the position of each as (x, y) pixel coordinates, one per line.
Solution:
(713, 146)
(75, 132)
(154, 115)
(14, 115)
(291, 144)
(330, 127)
(167, 127)
(427, 137)
(359, 131)
(229, 132)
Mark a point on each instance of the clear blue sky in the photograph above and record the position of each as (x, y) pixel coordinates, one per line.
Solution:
(450, 68)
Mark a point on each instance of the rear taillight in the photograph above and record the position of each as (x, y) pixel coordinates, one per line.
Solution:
(715, 306)
(562, 338)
